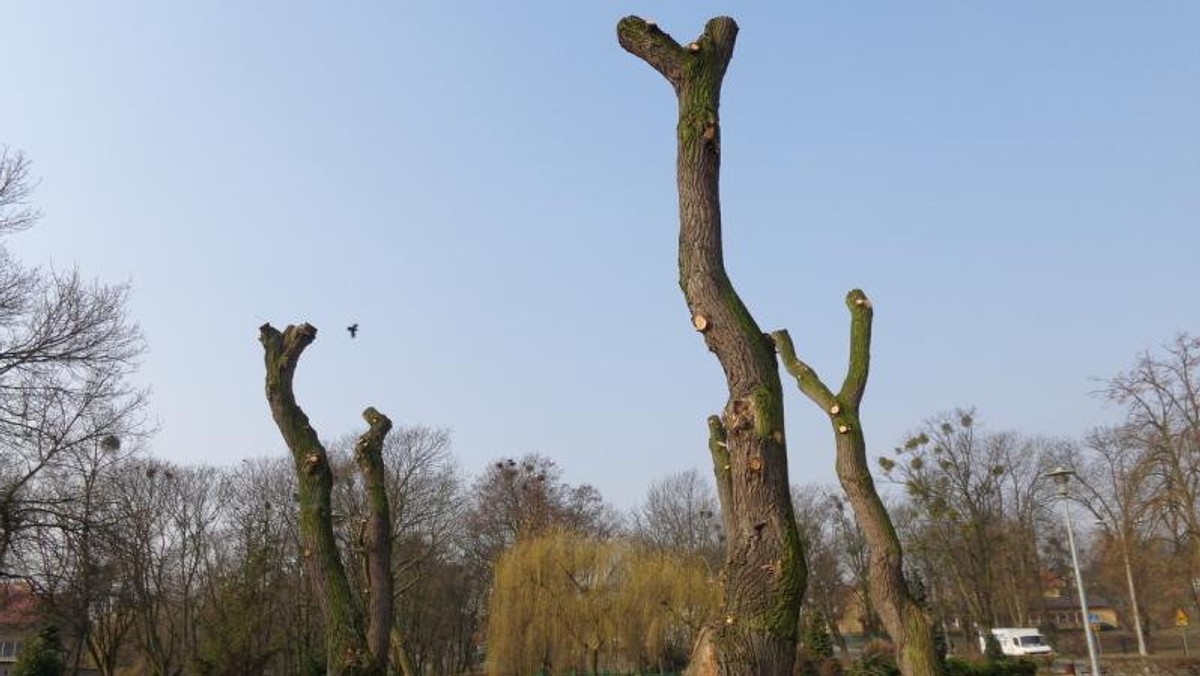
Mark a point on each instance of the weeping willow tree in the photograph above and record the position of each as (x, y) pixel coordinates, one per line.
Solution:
(665, 600)
(564, 603)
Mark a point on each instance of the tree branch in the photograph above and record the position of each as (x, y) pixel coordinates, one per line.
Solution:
(646, 41)
(719, 449)
(283, 352)
(860, 348)
(806, 379)
(15, 189)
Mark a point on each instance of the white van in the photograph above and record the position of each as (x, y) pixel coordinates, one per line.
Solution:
(1019, 641)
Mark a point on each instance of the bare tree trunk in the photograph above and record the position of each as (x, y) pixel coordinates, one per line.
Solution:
(348, 651)
(902, 615)
(764, 575)
(368, 453)
(400, 657)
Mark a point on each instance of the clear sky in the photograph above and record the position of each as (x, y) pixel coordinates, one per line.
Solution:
(488, 190)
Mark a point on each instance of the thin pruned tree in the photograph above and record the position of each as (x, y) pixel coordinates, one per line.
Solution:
(903, 615)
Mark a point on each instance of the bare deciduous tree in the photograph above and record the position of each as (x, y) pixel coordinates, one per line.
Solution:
(1115, 487)
(165, 542)
(680, 514)
(951, 472)
(254, 613)
(835, 557)
(74, 559)
(977, 506)
(522, 498)
(16, 186)
(1161, 395)
(67, 350)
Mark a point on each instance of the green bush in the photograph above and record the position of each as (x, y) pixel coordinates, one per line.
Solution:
(957, 666)
(817, 641)
(992, 651)
(41, 656)
(878, 659)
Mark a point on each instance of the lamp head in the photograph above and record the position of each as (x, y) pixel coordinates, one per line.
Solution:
(1060, 475)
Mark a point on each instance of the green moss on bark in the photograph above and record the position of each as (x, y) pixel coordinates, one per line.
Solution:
(768, 413)
(783, 619)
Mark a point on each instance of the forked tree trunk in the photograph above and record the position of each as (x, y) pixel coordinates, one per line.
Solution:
(764, 575)
(905, 619)
(353, 645)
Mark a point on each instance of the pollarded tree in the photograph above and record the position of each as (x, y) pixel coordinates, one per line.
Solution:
(764, 574)
(427, 507)
(355, 645)
(906, 620)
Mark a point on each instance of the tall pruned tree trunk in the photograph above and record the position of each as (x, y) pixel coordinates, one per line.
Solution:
(764, 574)
(354, 645)
(377, 534)
(906, 621)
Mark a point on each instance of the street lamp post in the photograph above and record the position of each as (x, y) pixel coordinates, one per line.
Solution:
(1061, 476)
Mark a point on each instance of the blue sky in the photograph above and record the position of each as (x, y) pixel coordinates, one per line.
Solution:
(488, 190)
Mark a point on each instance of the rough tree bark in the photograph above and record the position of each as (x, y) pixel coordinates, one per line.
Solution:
(764, 576)
(377, 534)
(903, 616)
(355, 646)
